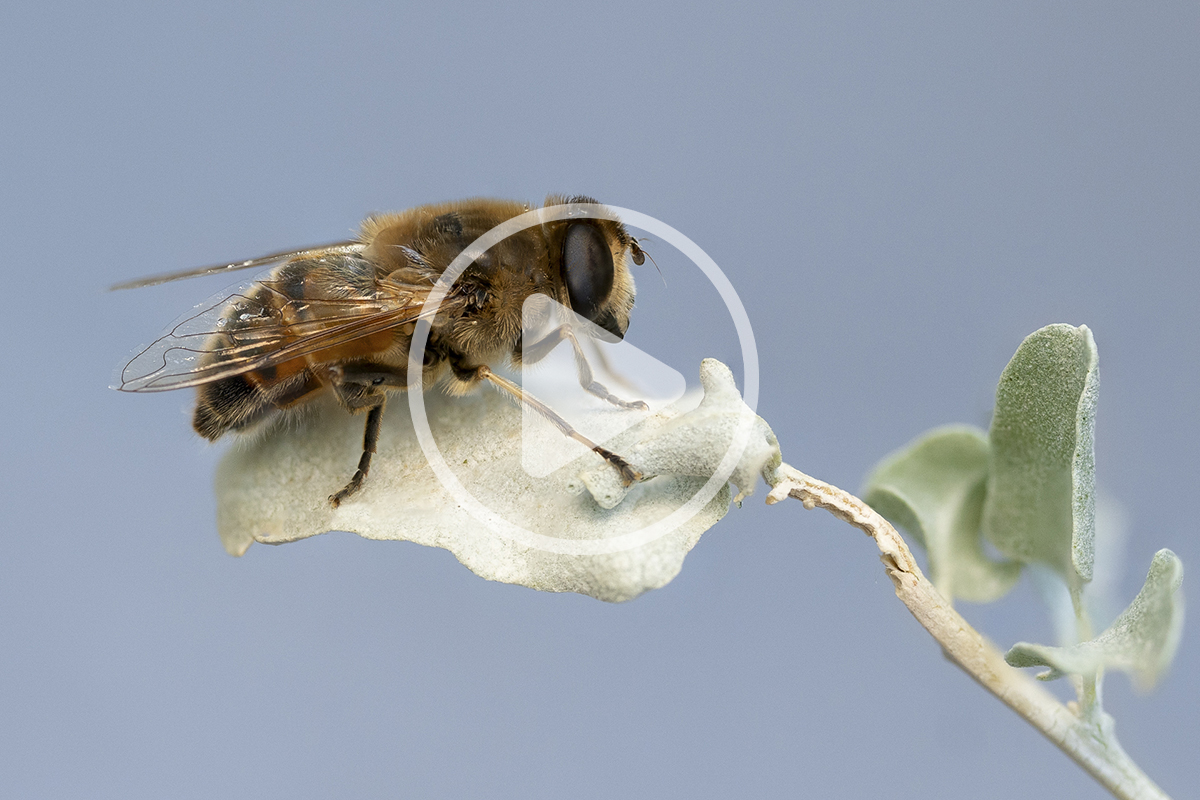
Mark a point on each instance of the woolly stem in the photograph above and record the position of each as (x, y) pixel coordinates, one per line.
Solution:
(1088, 740)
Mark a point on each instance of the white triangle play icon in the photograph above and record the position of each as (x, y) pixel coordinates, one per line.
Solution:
(627, 372)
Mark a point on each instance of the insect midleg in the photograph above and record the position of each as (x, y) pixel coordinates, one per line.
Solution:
(538, 350)
(624, 469)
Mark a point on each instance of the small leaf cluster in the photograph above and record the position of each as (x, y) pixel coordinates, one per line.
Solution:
(1027, 487)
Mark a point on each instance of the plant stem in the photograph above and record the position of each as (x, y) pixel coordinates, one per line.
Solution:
(1088, 686)
(1089, 741)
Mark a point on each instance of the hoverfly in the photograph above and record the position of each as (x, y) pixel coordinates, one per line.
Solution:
(340, 318)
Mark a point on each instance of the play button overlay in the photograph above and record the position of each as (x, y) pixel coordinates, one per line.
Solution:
(625, 371)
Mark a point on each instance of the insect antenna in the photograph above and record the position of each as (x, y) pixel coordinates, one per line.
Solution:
(640, 255)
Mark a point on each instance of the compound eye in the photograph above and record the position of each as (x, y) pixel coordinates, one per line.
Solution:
(587, 268)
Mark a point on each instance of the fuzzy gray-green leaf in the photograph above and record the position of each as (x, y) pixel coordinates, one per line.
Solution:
(1041, 485)
(934, 488)
(1141, 641)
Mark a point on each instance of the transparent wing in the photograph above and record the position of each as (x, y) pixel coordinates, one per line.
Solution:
(234, 266)
(259, 326)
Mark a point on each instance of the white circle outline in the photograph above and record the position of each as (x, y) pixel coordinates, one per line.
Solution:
(416, 399)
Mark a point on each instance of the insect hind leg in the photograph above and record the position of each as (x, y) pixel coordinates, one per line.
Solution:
(370, 441)
(357, 389)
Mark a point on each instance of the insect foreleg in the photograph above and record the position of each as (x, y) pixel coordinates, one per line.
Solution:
(538, 350)
(535, 351)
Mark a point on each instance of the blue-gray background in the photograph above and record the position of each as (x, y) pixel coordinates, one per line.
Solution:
(898, 195)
